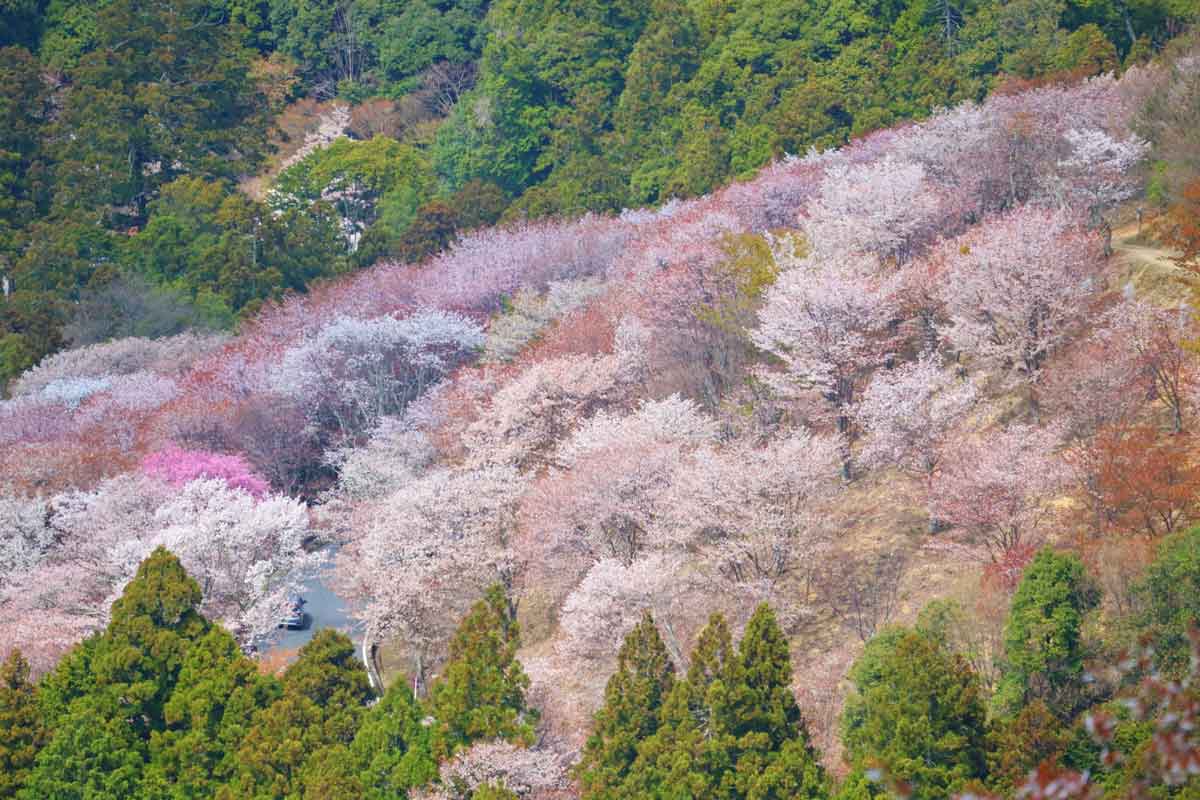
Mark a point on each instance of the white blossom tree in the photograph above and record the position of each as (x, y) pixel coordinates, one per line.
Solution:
(910, 413)
(1016, 288)
(830, 324)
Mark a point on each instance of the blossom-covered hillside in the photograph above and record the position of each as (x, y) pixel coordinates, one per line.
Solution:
(867, 378)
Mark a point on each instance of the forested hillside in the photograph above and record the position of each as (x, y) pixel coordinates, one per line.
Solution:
(871, 472)
(129, 126)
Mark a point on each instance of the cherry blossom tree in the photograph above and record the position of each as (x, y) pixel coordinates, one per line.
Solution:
(396, 452)
(169, 357)
(884, 208)
(179, 467)
(1017, 288)
(526, 416)
(523, 771)
(412, 568)
(25, 536)
(355, 370)
(1099, 172)
(605, 496)
(910, 414)
(1099, 381)
(996, 487)
(828, 324)
(526, 772)
(1159, 337)
(757, 514)
(247, 553)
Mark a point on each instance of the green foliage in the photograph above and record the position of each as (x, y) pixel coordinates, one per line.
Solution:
(22, 733)
(222, 250)
(299, 742)
(1171, 589)
(481, 691)
(22, 99)
(1043, 647)
(732, 728)
(106, 701)
(166, 91)
(378, 178)
(1023, 742)
(392, 751)
(436, 225)
(383, 44)
(209, 713)
(917, 711)
(633, 700)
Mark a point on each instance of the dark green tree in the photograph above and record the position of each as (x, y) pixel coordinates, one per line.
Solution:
(1043, 641)
(1023, 742)
(917, 712)
(166, 91)
(732, 728)
(692, 753)
(22, 732)
(330, 674)
(480, 693)
(302, 737)
(774, 756)
(22, 102)
(108, 698)
(392, 751)
(632, 707)
(1171, 589)
(212, 709)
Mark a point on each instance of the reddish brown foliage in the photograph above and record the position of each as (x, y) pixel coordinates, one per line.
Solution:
(1137, 480)
(1179, 227)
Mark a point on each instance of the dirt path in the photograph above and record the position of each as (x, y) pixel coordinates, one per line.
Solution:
(1149, 268)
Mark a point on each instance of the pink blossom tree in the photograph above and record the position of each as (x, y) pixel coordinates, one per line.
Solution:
(884, 208)
(354, 370)
(526, 772)
(1017, 288)
(996, 488)
(1099, 172)
(25, 535)
(412, 566)
(179, 467)
(828, 323)
(246, 553)
(910, 414)
(613, 596)
(524, 418)
(1097, 382)
(757, 515)
(1159, 338)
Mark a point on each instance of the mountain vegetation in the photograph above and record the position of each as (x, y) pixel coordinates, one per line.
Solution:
(735, 400)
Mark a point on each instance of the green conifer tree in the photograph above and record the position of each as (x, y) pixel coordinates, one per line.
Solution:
(392, 751)
(918, 712)
(295, 745)
(774, 758)
(108, 699)
(633, 701)
(481, 691)
(208, 715)
(691, 755)
(1043, 643)
(732, 728)
(21, 731)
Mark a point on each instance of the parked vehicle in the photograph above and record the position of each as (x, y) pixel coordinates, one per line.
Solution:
(294, 617)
